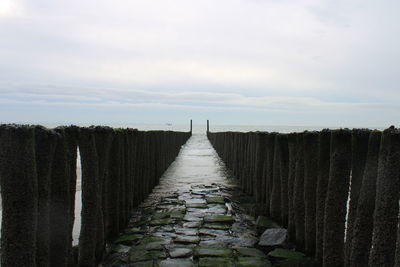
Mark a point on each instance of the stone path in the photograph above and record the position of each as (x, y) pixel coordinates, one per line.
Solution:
(194, 217)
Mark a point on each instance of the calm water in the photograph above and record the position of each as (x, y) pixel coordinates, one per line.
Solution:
(216, 128)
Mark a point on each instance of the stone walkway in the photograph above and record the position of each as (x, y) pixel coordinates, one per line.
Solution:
(194, 217)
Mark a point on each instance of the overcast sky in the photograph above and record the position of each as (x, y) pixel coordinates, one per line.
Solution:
(264, 62)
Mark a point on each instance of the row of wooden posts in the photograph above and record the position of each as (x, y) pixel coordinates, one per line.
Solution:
(304, 181)
(38, 185)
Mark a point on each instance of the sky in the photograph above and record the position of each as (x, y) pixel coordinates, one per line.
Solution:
(244, 62)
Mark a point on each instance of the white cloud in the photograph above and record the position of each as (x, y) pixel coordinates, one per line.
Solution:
(243, 54)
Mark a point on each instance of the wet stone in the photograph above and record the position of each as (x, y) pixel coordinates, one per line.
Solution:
(212, 262)
(212, 243)
(253, 261)
(213, 232)
(285, 254)
(250, 252)
(217, 226)
(176, 263)
(160, 215)
(245, 241)
(192, 224)
(187, 239)
(191, 218)
(215, 200)
(213, 252)
(196, 205)
(151, 239)
(180, 252)
(219, 219)
(187, 231)
(216, 209)
(273, 237)
(195, 201)
(121, 249)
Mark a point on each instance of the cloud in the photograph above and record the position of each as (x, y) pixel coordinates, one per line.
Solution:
(244, 55)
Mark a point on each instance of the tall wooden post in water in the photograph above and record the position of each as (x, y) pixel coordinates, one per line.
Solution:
(191, 126)
(208, 126)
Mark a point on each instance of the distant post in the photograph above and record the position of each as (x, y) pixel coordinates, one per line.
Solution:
(191, 126)
(208, 126)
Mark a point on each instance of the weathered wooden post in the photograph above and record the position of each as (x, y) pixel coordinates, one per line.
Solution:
(292, 141)
(208, 126)
(191, 127)
(363, 223)
(387, 201)
(45, 144)
(359, 155)
(322, 188)
(60, 204)
(90, 191)
(310, 180)
(19, 195)
(298, 193)
(336, 198)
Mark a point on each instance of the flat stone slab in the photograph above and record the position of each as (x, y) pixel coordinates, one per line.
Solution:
(245, 241)
(215, 200)
(273, 237)
(212, 262)
(212, 232)
(213, 252)
(196, 205)
(250, 252)
(187, 239)
(161, 222)
(253, 261)
(192, 224)
(286, 254)
(121, 249)
(187, 231)
(161, 215)
(180, 252)
(216, 209)
(219, 219)
(195, 201)
(145, 255)
(176, 263)
(191, 218)
(217, 226)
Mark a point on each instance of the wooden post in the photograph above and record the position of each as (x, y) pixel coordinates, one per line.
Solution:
(208, 126)
(191, 127)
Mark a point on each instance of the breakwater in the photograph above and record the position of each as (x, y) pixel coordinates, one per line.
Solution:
(38, 181)
(336, 191)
